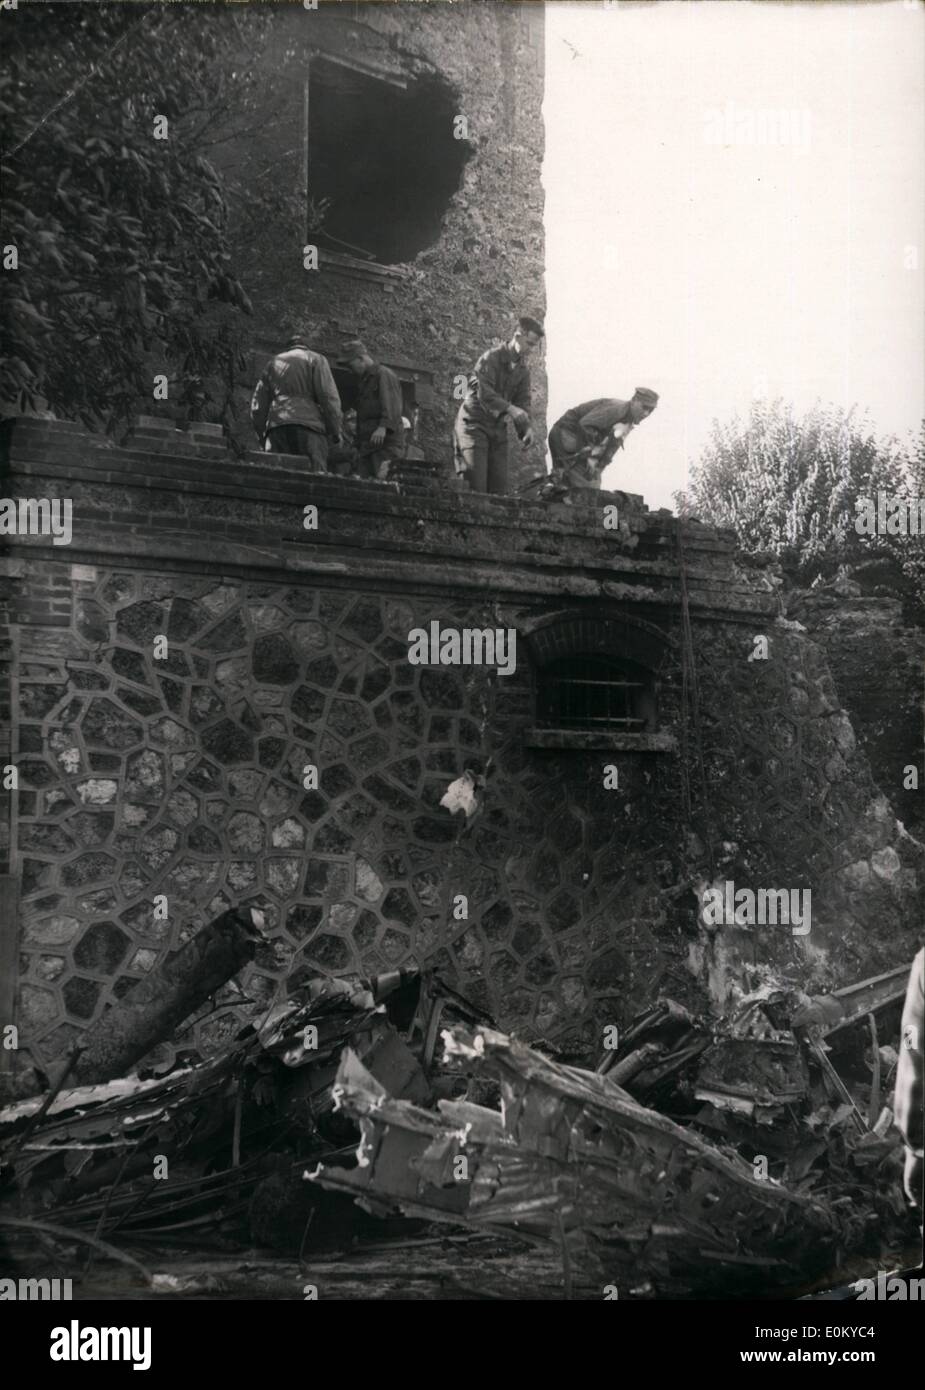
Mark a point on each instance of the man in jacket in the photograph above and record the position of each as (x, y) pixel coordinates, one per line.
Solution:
(908, 1096)
(498, 391)
(296, 406)
(585, 439)
(380, 436)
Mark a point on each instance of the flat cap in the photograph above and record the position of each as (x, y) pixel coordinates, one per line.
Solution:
(349, 350)
(647, 397)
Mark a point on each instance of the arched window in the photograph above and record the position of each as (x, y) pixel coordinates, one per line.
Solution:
(597, 682)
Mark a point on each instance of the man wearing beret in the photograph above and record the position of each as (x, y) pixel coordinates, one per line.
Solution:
(498, 391)
(585, 439)
(380, 432)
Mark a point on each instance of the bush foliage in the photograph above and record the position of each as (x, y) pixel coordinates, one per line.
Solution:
(790, 485)
(121, 237)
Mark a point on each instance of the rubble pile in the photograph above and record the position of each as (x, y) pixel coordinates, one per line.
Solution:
(724, 1157)
(768, 1177)
(186, 1153)
(571, 1159)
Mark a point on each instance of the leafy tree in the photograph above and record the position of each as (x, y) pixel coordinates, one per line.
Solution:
(909, 551)
(124, 267)
(790, 485)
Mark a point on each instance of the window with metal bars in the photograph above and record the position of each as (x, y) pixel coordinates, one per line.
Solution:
(595, 693)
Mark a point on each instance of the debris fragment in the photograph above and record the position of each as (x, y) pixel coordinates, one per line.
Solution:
(460, 795)
(159, 1003)
(236, 1129)
(572, 1158)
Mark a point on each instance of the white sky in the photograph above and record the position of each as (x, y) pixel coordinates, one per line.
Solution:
(712, 272)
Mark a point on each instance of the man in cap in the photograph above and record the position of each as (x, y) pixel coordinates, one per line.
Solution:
(585, 439)
(498, 391)
(296, 405)
(380, 436)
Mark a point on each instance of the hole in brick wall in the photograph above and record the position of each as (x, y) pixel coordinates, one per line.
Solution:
(386, 158)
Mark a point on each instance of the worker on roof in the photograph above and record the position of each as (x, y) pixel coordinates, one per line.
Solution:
(498, 391)
(584, 440)
(380, 434)
(296, 408)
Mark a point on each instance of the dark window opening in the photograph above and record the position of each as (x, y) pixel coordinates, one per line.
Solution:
(595, 693)
(384, 157)
(346, 382)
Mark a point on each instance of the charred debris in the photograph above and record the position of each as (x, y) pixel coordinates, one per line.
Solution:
(364, 1127)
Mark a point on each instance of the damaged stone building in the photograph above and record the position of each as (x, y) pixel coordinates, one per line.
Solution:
(178, 672)
(212, 702)
(408, 143)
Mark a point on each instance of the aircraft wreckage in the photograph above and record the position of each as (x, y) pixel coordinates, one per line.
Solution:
(723, 1158)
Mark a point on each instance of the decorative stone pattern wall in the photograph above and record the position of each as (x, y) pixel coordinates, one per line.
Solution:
(184, 776)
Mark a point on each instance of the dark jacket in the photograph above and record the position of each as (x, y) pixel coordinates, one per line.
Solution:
(379, 403)
(583, 427)
(499, 380)
(297, 388)
(600, 415)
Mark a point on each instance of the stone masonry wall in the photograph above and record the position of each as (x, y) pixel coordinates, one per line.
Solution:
(877, 659)
(460, 295)
(184, 776)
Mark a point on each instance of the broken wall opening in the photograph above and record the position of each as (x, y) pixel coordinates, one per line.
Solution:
(382, 154)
